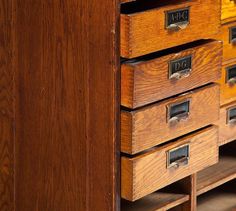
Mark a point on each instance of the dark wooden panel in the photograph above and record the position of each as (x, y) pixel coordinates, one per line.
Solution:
(6, 106)
(67, 105)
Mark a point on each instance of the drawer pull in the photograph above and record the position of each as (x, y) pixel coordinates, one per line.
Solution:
(178, 112)
(177, 26)
(181, 74)
(231, 75)
(180, 68)
(177, 19)
(231, 116)
(232, 35)
(233, 41)
(178, 157)
(232, 81)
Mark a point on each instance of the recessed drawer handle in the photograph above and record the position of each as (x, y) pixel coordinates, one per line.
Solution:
(180, 68)
(177, 26)
(232, 81)
(231, 75)
(178, 112)
(233, 41)
(181, 74)
(178, 157)
(174, 120)
(231, 116)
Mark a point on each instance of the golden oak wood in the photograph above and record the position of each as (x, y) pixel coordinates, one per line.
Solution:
(147, 81)
(227, 90)
(220, 199)
(157, 201)
(7, 111)
(228, 11)
(227, 132)
(148, 172)
(189, 184)
(216, 175)
(146, 127)
(144, 32)
(229, 49)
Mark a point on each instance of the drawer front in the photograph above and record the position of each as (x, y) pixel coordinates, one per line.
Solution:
(143, 32)
(228, 83)
(146, 173)
(227, 124)
(155, 124)
(228, 12)
(229, 41)
(126, 1)
(144, 82)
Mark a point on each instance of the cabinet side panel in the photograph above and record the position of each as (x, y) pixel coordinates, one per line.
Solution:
(6, 106)
(67, 105)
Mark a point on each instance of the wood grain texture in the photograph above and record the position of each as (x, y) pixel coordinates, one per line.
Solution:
(228, 11)
(146, 127)
(125, 1)
(227, 92)
(227, 133)
(6, 106)
(144, 32)
(146, 173)
(189, 185)
(147, 81)
(229, 50)
(158, 201)
(67, 105)
(217, 174)
(220, 199)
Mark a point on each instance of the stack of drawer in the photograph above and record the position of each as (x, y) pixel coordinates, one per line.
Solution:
(170, 101)
(227, 82)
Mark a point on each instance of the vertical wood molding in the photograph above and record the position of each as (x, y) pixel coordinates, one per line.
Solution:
(190, 188)
(67, 105)
(6, 107)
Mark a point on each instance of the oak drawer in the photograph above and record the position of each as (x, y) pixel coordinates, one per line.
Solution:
(146, 29)
(228, 33)
(169, 73)
(228, 12)
(157, 123)
(161, 166)
(227, 123)
(228, 83)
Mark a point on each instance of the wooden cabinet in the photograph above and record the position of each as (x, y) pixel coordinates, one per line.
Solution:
(228, 33)
(227, 123)
(161, 166)
(117, 104)
(153, 26)
(228, 83)
(169, 73)
(160, 122)
(228, 12)
(170, 65)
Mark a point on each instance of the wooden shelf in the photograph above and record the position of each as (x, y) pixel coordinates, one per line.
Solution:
(220, 199)
(156, 201)
(217, 175)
